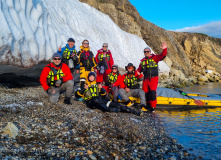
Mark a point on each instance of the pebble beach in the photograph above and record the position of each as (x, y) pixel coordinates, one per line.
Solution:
(59, 131)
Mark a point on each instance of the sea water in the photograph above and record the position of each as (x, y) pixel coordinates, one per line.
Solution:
(197, 129)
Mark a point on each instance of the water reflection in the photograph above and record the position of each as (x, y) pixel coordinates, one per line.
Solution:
(210, 88)
(191, 112)
(196, 129)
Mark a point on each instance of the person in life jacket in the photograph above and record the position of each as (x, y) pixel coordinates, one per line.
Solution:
(149, 67)
(113, 81)
(94, 97)
(55, 78)
(105, 61)
(69, 54)
(130, 86)
(86, 61)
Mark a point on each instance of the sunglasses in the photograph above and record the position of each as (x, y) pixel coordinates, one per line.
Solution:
(105, 46)
(114, 68)
(131, 67)
(86, 43)
(146, 51)
(57, 59)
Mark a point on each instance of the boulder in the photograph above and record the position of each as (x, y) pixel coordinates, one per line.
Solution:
(11, 130)
(203, 79)
(201, 83)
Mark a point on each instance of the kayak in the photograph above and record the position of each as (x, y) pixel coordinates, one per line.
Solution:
(170, 97)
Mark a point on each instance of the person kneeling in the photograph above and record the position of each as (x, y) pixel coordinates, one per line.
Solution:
(95, 97)
(55, 78)
(130, 86)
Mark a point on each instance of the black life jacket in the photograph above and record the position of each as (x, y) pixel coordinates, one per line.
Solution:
(149, 67)
(87, 59)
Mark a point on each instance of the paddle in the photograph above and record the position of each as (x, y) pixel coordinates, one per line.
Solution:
(197, 102)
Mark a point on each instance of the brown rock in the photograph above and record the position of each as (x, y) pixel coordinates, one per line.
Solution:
(188, 52)
(89, 152)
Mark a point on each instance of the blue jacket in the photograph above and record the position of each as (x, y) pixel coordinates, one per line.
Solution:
(70, 49)
(63, 48)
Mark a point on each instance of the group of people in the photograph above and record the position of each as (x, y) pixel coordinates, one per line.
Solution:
(100, 79)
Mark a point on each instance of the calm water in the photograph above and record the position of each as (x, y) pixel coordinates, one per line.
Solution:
(198, 130)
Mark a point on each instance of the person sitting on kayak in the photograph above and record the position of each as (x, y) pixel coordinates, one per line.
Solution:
(130, 86)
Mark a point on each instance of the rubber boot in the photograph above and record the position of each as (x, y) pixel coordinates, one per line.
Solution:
(129, 103)
(127, 109)
(67, 100)
(144, 108)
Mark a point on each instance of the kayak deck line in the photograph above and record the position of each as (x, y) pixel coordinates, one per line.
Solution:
(169, 97)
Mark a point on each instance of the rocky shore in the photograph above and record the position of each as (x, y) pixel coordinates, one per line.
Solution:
(58, 131)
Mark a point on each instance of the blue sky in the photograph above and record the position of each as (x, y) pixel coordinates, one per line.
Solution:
(183, 15)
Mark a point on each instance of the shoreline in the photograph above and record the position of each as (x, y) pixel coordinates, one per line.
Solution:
(74, 131)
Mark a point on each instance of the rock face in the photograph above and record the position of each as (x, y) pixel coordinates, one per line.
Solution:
(190, 53)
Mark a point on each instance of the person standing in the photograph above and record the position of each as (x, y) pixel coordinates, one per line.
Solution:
(149, 67)
(68, 54)
(87, 62)
(130, 86)
(105, 61)
(55, 78)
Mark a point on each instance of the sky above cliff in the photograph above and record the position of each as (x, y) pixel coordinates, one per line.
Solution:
(200, 16)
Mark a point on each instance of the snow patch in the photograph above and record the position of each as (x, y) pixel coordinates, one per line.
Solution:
(30, 103)
(32, 30)
(14, 107)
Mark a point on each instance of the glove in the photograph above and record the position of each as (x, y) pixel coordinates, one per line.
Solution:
(58, 83)
(50, 90)
(98, 67)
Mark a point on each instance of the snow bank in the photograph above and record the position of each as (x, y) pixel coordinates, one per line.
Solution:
(31, 31)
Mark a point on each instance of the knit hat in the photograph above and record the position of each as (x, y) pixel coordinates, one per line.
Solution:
(130, 65)
(92, 74)
(105, 44)
(56, 55)
(115, 66)
(71, 40)
(147, 48)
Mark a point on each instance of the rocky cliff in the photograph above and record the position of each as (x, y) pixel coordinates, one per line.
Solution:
(189, 54)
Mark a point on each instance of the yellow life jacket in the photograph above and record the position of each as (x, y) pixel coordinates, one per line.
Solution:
(131, 81)
(149, 63)
(54, 73)
(101, 56)
(92, 91)
(112, 78)
(67, 53)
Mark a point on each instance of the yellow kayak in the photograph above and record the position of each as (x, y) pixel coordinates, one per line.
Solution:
(169, 97)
